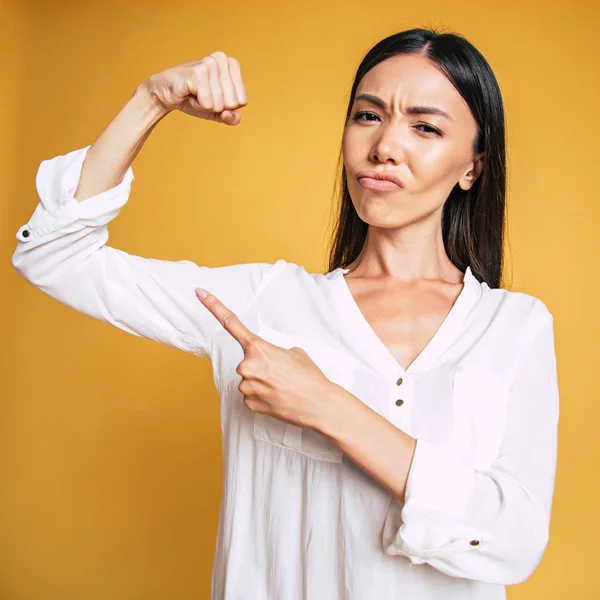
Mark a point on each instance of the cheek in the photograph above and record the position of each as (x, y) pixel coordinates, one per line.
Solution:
(435, 164)
(381, 210)
(352, 146)
(345, 149)
(427, 157)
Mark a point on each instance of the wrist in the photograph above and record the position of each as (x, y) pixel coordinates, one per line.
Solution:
(337, 406)
(147, 108)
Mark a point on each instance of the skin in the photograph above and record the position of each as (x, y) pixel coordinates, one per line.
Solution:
(402, 277)
(403, 281)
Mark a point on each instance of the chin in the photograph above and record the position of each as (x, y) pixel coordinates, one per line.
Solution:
(378, 216)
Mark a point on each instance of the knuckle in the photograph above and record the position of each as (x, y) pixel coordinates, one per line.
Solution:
(245, 371)
(254, 343)
(218, 54)
(257, 343)
(229, 320)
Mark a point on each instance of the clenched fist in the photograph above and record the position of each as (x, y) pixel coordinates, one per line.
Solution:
(209, 88)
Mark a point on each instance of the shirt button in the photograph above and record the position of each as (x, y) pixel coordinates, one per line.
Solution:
(25, 233)
(399, 382)
(474, 542)
(399, 402)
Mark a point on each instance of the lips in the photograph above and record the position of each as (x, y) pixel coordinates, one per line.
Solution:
(380, 176)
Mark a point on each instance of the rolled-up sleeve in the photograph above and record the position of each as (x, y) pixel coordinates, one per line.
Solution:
(490, 525)
(62, 250)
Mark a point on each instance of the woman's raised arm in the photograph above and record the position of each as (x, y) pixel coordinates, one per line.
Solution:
(63, 250)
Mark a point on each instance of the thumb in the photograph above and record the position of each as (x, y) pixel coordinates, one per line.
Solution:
(230, 117)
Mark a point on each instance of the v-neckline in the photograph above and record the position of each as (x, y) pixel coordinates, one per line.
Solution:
(359, 334)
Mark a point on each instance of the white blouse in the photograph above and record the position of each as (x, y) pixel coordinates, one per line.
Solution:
(299, 520)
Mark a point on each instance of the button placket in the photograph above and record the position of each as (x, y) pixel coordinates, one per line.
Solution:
(399, 401)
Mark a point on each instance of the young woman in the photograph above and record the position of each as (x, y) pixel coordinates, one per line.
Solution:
(390, 426)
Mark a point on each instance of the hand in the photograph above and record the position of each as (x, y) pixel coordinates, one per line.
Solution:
(208, 88)
(285, 384)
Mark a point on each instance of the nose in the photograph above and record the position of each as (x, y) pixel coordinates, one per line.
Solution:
(387, 147)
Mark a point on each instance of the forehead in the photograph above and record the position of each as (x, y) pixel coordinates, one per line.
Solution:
(408, 79)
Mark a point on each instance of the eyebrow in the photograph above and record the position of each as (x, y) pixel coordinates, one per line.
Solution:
(411, 110)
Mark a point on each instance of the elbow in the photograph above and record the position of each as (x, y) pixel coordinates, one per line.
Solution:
(528, 560)
(19, 263)
(513, 560)
(39, 270)
(30, 270)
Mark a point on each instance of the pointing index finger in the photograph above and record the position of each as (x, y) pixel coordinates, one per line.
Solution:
(228, 319)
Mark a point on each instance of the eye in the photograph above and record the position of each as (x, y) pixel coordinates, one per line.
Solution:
(432, 130)
(358, 116)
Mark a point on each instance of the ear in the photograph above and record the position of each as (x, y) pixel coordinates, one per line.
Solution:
(473, 172)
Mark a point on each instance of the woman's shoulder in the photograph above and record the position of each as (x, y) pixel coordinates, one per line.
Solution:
(282, 267)
(518, 309)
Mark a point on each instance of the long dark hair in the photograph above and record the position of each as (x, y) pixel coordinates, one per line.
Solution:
(472, 220)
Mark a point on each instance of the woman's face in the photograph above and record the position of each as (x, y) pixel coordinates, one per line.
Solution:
(429, 153)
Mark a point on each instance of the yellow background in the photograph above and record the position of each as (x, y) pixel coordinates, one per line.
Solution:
(110, 448)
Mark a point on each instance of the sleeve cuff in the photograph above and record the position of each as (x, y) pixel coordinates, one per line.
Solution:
(434, 515)
(56, 182)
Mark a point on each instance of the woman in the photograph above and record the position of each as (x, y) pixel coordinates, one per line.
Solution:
(390, 427)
